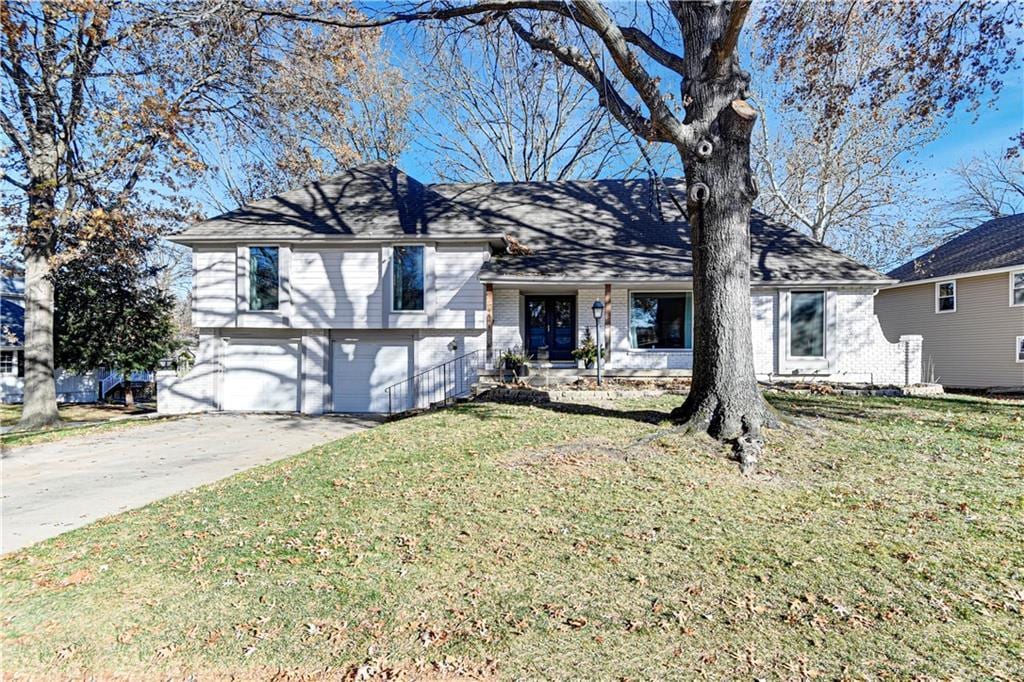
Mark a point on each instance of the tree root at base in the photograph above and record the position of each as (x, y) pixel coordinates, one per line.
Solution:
(737, 426)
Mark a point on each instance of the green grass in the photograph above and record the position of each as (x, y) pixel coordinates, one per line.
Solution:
(524, 542)
(84, 418)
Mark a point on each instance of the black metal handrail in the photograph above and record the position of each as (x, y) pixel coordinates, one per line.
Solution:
(437, 385)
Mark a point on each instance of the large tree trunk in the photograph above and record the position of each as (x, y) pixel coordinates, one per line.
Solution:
(40, 406)
(724, 399)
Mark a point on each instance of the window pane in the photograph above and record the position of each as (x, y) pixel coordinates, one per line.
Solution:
(1020, 348)
(946, 289)
(537, 314)
(1018, 288)
(408, 278)
(7, 362)
(947, 303)
(807, 324)
(263, 278)
(660, 321)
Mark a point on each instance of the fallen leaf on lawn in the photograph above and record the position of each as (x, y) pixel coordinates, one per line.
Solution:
(82, 575)
(576, 623)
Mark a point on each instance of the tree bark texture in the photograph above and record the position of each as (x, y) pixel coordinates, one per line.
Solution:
(40, 392)
(724, 399)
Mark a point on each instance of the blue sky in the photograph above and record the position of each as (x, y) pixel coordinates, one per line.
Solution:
(965, 137)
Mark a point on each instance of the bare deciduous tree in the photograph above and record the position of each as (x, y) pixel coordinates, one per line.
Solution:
(327, 101)
(103, 106)
(990, 186)
(841, 168)
(843, 82)
(498, 111)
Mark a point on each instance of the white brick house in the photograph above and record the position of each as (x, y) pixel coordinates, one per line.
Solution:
(321, 298)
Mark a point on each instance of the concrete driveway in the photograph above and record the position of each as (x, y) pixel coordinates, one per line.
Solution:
(51, 488)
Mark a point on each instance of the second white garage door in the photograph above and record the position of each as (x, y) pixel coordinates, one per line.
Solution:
(363, 368)
(261, 375)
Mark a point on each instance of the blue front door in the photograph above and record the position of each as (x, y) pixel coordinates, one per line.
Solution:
(550, 327)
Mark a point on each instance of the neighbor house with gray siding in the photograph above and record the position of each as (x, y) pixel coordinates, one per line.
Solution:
(326, 297)
(966, 298)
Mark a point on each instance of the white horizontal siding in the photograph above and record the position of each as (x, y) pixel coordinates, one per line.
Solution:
(459, 293)
(214, 300)
(339, 288)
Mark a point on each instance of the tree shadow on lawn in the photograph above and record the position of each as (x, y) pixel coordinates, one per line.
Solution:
(484, 410)
(810, 410)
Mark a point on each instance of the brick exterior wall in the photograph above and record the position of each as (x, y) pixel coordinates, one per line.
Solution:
(858, 351)
(507, 318)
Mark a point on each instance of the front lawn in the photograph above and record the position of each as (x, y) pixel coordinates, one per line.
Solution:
(75, 419)
(526, 542)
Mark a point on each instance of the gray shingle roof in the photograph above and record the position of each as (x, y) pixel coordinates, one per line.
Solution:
(625, 230)
(996, 244)
(12, 323)
(575, 229)
(375, 200)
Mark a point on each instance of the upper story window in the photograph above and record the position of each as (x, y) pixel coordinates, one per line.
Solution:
(407, 289)
(8, 362)
(807, 324)
(661, 321)
(264, 278)
(945, 297)
(1017, 288)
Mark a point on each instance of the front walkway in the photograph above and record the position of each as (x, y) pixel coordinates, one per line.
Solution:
(51, 488)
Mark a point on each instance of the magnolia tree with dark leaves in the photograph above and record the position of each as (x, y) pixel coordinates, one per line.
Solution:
(679, 82)
(111, 312)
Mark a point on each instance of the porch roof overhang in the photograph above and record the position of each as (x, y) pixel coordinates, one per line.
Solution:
(684, 283)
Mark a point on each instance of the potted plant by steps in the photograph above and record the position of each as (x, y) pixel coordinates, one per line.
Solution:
(513, 363)
(586, 354)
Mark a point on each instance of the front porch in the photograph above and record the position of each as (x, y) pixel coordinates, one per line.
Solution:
(547, 321)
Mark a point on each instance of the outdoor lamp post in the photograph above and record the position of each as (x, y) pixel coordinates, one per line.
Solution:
(598, 309)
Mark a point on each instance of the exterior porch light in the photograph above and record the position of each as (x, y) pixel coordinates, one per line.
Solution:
(598, 309)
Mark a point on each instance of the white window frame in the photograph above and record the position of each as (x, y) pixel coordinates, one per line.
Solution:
(793, 359)
(14, 364)
(1017, 350)
(391, 305)
(1012, 274)
(248, 281)
(938, 286)
(629, 320)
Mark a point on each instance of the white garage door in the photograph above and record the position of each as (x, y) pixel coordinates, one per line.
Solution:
(261, 375)
(363, 368)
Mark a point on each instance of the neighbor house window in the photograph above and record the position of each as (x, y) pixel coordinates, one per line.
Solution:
(1020, 349)
(264, 278)
(8, 362)
(945, 297)
(807, 324)
(661, 321)
(1017, 288)
(408, 278)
